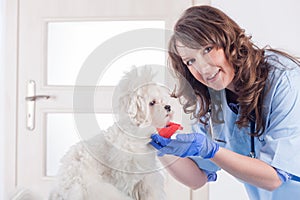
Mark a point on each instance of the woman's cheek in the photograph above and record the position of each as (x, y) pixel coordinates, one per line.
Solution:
(196, 75)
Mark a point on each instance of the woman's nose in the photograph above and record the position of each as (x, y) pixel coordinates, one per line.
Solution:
(202, 67)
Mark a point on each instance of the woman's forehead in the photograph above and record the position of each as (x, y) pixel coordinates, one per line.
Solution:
(183, 50)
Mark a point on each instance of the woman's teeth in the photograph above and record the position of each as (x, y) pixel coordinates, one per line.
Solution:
(213, 76)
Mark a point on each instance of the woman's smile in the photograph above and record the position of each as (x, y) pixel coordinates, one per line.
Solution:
(213, 77)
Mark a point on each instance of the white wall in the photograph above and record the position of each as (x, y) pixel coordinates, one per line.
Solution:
(270, 22)
(2, 104)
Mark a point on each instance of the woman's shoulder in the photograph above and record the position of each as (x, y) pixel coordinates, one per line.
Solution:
(283, 79)
(281, 102)
(279, 61)
(281, 66)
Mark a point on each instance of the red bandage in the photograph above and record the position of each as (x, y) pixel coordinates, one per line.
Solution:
(169, 130)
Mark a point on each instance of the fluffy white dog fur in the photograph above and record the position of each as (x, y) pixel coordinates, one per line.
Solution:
(119, 164)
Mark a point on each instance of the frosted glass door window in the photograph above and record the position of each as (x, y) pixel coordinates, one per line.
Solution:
(140, 57)
(70, 43)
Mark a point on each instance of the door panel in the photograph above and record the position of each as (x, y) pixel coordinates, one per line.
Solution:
(55, 39)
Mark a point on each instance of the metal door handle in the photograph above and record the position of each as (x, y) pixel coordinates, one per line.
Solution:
(30, 99)
(33, 98)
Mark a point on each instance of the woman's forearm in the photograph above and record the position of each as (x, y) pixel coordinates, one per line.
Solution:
(184, 170)
(250, 170)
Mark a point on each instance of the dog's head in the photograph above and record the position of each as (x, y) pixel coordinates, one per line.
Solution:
(142, 101)
(149, 105)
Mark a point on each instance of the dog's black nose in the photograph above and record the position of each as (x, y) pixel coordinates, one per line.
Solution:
(168, 108)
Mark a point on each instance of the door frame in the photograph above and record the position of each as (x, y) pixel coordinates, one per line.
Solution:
(10, 69)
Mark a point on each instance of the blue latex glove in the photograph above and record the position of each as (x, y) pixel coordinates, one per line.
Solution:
(193, 144)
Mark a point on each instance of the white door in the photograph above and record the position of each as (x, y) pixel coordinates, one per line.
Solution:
(56, 38)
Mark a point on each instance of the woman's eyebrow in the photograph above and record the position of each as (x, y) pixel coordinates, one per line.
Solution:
(185, 58)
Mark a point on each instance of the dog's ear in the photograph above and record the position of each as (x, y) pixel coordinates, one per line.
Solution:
(138, 111)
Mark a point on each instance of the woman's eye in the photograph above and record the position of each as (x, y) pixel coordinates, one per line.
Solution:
(152, 103)
(190, 62)
(207, 49)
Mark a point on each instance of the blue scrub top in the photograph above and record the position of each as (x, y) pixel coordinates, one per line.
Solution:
(279, 146)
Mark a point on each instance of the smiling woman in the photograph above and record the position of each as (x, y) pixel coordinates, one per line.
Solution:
(245, 100)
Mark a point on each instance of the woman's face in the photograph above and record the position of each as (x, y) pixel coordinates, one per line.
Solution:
(208, 65)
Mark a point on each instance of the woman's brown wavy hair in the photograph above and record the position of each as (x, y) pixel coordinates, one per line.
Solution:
(200, 26)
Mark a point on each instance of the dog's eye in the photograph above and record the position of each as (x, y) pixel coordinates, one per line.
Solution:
(152, 103)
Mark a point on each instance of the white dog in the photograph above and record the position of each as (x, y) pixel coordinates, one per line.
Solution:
(119, 164)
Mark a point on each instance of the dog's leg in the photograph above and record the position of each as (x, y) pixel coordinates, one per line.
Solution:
(151, 187)
(24, 194)
(75, 192)
(105, 191)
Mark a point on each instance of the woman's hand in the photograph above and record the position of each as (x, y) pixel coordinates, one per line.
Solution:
(192, 144)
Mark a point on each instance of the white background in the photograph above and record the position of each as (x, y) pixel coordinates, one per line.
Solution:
(270, 22)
